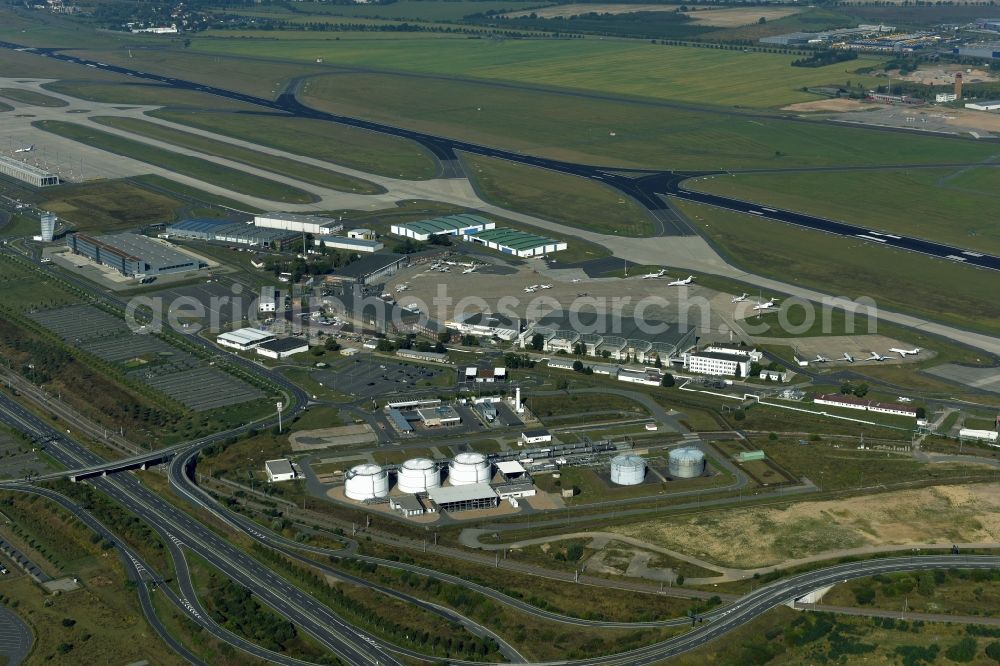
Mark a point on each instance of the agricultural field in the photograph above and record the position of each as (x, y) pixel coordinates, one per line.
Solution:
(573, 201)
(232, 179)
(420, 10)
(942, 205)
(898, 280)
(109, 206)
(765, 537)
(281, 165)
(351, 147)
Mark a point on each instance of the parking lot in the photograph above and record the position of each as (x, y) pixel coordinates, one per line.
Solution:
(17, 458)
(222, 300)
(366, 377)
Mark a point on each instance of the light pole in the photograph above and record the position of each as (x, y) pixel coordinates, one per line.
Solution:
(279, 405)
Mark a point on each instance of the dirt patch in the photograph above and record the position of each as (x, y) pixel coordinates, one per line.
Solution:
(836, 105)
(945, 75)
(764, 537)
(736, 17)
(307, 440)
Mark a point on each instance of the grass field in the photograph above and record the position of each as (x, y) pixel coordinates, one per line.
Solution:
(281, 165)
(153, 94)
(577, 126)
(940, 205)
(573, 201)
(898, 280)
(232, 179)
(425, 10)
(215, 205)
(626, 67)
(366, 151)
(31, 97)
(114, 205)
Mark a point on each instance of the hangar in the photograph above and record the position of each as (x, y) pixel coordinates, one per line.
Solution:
(132, 254)
(451, 225)
(517, 243)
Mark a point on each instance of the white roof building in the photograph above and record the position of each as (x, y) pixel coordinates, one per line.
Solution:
(243, 338)
(279, 470)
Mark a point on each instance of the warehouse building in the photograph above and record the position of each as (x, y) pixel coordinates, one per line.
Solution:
(451, 225)
(279, 470)
(992, 105)
(132, 254)
(243, 338)
(349, 244)
(282, 348)
(988, 51)
(303, 224)
(228, 231)
(434, 417)
(27, 173)
(788, 39)
(372, 269)
(517, 243)
(464, 498)
(268, 299)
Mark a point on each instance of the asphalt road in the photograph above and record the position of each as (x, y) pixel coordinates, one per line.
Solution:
(651, 189)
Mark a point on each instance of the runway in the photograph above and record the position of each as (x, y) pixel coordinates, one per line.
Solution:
(651, 189)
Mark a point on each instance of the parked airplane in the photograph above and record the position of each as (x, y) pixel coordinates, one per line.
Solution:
(875, 356)
(905, 352)
(653, 276)
(575, 280)
(680, 283)
(847, 357)
(765, 306)
(903, 398)
(469, 270)
(739, 299)
(530, 290)
(25, 150)
(821, 359)
(545, 286)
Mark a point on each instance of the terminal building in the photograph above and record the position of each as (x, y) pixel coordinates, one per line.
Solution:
(451, 225)
(132, 254)
(302, 224)
(27, 173)
(517, 243)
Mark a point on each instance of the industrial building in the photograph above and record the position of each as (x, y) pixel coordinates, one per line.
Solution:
(646, 376)
(228, 231)
(416, 355)
(364, 234)
(992, 105)
(536, 437)
(464, 498)
(268, 301)
(686, 462)
(282, 348)
(434, 417)
(451, 225)
(851, 402)
(517, 243)
(303, 224)
(372, 269)
(349, 244)
(132, 254)
(608, 335)
(243, 338)
(409, 506)
(279, 470)
(27, 173)
(979, 435)
(988, 51)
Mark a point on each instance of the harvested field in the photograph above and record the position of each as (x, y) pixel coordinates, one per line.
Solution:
(840, 104)
(737, 16)
(764, 536)
(567, 11)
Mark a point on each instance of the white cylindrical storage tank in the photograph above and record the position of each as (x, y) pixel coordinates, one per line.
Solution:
(686, 462)
(628, 470)
(469, 468)
(367, 481)
(418, 475)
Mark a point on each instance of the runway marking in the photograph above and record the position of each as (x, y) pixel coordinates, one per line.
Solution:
(871, 238)
(955, 257)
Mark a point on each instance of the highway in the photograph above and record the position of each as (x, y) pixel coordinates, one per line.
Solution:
(649, 188)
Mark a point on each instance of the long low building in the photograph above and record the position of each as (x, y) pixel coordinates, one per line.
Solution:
(720, 364)
(303, 224)
(852, 402)
(132, 254)
(464, 498)
(27, 173)
(451, 225)
(349, 244)
(371, 269)
(244, 338)
(515, 242)
(282, 347)
(228, 231)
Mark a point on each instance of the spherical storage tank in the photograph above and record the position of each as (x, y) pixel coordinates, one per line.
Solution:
(627, 470)
(366, 481)
(686, 463)
(469, 468)
(417, 475)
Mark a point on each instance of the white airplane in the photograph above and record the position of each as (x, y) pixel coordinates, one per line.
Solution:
(739, 299)
(847, 357)
(654, 276)
(821, 359)
(469, 270)
(545, 286)
(534, 286)
(25, 150)
(903, 398)
(766, 306)
(906, 352)
(875, 356)
(529, 290)
(680, 283)
(575, 280)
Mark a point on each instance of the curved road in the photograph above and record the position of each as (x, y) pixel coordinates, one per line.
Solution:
(16, 638)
